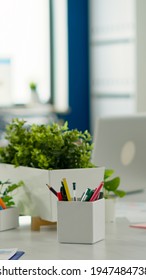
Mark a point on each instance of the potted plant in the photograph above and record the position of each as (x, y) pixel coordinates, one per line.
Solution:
(34, 93)
(51, 146)
(6, 192)
(46, 154)
(111, 191)
(9, 213)
(111, 186)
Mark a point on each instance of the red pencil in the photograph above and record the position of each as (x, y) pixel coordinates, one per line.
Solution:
(96, 192)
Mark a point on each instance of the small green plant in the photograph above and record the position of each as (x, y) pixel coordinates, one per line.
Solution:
(6, 190)
(33, 86)
(111, 185)
(50, 146)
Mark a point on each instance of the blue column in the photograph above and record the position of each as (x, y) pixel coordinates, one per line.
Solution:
(78, 43)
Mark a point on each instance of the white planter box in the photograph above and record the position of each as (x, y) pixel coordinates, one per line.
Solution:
(35, 199)
(81, 222)
(9, 218)
(110, 210)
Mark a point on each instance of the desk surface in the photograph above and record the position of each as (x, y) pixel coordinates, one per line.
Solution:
(121, 241)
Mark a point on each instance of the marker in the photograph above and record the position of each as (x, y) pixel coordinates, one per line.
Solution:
(74, 191)
(63, 192)
(90, 193)
(66, 189)
(2, 204)
(59, 195)
(100, 195)
(86, 195)
(96, 192)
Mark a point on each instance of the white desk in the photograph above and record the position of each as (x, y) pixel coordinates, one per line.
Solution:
(121, 241)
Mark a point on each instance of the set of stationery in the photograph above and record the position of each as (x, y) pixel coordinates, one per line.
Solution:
(88, 194)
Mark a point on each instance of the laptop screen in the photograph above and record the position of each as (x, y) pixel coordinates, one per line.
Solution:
(120, 144)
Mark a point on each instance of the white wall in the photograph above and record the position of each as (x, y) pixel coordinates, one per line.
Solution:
(113, 78)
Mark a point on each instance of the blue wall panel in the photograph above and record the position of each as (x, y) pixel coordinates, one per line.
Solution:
(78, 65)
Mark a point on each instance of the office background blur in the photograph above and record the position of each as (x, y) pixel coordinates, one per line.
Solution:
(86, 58)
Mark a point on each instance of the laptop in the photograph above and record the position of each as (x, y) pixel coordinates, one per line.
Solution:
(120, 144)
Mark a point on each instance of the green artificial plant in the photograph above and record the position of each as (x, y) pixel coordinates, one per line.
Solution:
(6, 191)
(111, 185)
(52, 146)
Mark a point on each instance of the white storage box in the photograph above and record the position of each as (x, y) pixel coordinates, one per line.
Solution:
(81, 222)
(35, 199)
(9, 218)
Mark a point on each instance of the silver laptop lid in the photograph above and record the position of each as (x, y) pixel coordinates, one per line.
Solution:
(120, 144)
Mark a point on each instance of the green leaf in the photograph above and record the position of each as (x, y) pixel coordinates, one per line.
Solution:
(14, 186)
(108, 173)
(112, 184)
(120, 193)
(8, 200)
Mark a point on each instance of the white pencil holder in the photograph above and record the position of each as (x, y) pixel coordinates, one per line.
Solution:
(9, 218)
(81, 222)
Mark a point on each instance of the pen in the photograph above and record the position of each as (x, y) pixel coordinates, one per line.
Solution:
(2, 204)
(74, 191)
(96, 192)
(82, 196)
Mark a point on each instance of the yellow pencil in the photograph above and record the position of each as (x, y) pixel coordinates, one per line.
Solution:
(66, 189)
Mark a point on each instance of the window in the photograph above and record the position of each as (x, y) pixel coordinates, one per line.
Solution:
(24, 33)
(25, 51)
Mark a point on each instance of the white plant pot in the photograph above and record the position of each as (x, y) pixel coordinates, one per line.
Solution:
(110, 210)
(9, 218)
(35, 199)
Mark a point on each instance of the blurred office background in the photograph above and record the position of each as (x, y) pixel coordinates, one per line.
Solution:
(72, 59)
